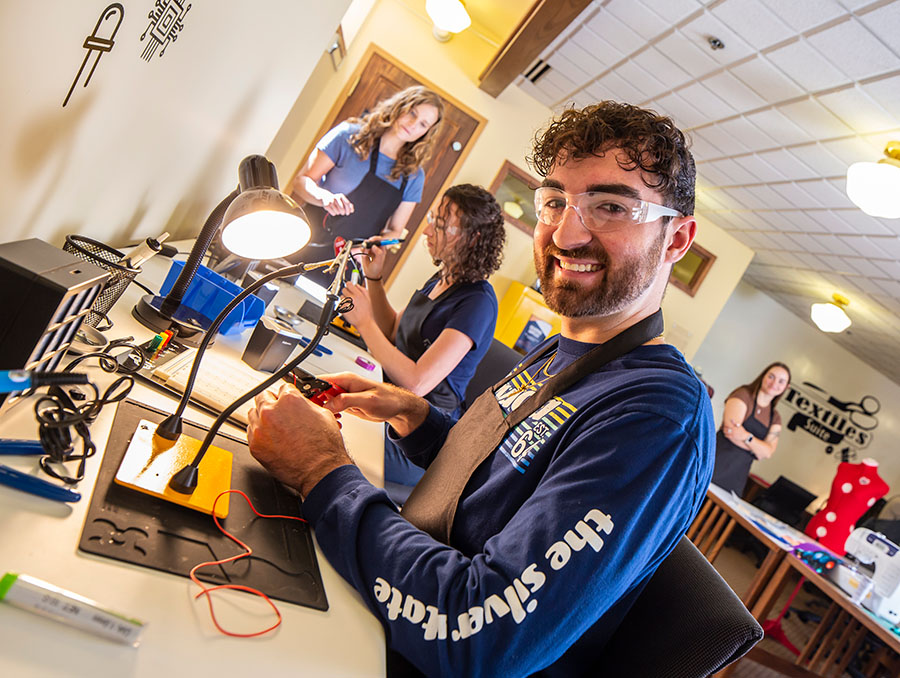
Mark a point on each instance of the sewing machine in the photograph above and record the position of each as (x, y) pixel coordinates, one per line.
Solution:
(870, 547)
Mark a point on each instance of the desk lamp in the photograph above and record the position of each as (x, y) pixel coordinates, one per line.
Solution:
(258, 222)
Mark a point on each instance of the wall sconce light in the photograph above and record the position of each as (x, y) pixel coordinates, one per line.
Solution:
(875, 186)
(830, 316)
(449, 16)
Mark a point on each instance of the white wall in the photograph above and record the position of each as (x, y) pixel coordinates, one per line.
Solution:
(753, 331)
(146, 146)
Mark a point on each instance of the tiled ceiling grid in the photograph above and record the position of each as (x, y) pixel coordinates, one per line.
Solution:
(801, 89)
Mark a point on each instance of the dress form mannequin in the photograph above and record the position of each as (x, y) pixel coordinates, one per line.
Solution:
(854, 489)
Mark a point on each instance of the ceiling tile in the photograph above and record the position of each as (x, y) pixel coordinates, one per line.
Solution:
(640, 79)
(890, 247)
(547, 97)
(621, 89)
(853, 149)
(699, 31)
(806, 66)
(734, 91)
(614, 32)
(884, 22)
(579, 65)
(672, 11)
(663, 68)
(795, 195)
(747, 197)
(865, 267)
(736, 170)
(601, 91)
(825, 193)
(599, 48)
(858, 110)
(801, 15)
(815, 119)
(787, 164)
(756, 24)
(885, 91)
(749, 134)
(708, 105)
(888, 266)
(760, 168)
(805, 222)
(642, 20)
(818, 159)
(892, 287)
(863, 245)
(683, 113)
(778, 127)
(711, 174)
(693, 58)
(702, 146)
(558, 82)
(561, 79)
(854, 50)
(767, 80)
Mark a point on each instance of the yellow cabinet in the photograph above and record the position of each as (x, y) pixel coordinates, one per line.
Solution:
(523, 320)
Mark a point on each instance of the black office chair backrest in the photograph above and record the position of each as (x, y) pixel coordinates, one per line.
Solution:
(687, 623)
(495, 365)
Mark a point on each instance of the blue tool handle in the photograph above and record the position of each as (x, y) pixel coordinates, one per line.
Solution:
(34, 485)
(19, 446)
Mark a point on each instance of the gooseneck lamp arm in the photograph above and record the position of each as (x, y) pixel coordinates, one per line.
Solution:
(185, 481)
(175, 296)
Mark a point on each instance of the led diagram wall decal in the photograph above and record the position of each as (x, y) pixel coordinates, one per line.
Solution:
(166, 22)
(99, 42)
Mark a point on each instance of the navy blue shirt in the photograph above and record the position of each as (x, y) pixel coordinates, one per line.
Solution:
(556, 533)
(470, 308)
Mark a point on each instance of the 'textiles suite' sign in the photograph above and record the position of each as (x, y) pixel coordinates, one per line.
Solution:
(834, 422)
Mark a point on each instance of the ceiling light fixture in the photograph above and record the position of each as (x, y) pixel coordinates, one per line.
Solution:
(449, 16)
(830, 316)
(875, 186)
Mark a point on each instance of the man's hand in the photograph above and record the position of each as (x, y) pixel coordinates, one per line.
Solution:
(375, 401)
(298, 442)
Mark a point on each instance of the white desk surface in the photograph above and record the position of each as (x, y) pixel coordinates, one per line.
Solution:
(39, 537)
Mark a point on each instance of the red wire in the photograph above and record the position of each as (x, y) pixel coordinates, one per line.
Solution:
(206, 590)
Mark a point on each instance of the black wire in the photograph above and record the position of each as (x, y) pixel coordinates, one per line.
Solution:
(143, 287)
(60, 418)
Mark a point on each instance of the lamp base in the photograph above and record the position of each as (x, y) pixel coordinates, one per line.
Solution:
(188, 325)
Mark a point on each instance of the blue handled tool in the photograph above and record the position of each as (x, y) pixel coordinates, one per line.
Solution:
(34, 485)
(19, 446)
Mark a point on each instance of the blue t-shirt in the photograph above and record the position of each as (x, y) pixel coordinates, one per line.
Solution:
(556, 533)
(349, 169)
(470, 308)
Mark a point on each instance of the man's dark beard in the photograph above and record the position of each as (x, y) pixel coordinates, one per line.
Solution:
(617, 289)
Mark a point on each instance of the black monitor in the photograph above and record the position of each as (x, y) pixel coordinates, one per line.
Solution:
(785, 500)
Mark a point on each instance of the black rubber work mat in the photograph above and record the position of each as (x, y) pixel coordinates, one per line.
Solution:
(133, 527)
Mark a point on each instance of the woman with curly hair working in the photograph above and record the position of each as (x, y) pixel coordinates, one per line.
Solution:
(365, 176)
(433, 345)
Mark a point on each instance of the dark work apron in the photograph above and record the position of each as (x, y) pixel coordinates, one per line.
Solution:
(432, 504)
(412, 344)
(733, 462)
(374, 201)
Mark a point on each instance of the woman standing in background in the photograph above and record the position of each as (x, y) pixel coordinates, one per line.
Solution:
(750, 427)
(365, 176)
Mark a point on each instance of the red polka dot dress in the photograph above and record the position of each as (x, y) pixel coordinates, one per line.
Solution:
(855, 488)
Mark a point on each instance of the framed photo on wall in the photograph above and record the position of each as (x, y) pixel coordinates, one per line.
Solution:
(688, 273)
(514, 190)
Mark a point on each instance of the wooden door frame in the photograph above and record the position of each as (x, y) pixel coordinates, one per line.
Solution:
(348, 89)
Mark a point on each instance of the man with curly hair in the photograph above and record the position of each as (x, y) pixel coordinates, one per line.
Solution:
(547, 507)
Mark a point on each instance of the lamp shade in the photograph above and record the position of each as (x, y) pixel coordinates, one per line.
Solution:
(875, 186)
(830, 316)
(448, 15)
(263, 223)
